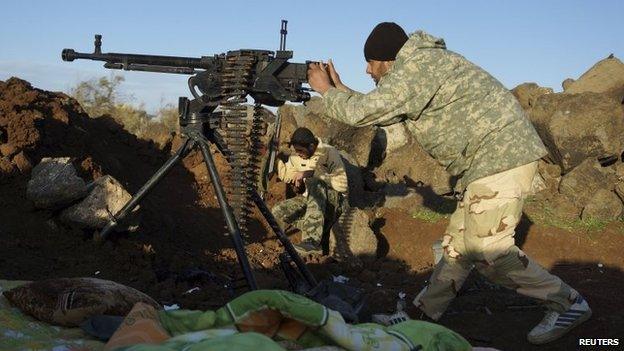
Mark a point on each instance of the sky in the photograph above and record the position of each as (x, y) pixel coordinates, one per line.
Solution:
(516, 41)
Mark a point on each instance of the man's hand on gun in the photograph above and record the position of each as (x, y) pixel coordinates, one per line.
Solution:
(323, 76)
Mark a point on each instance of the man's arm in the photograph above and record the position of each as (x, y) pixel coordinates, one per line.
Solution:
(336, 175)
(406, 90)
(285, 169)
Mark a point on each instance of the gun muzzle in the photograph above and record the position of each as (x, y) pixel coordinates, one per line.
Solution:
(68, 55)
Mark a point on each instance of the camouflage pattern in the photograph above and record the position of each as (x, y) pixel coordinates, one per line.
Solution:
(481, 234)
(325, 162)
(459, 113)
(312, 213)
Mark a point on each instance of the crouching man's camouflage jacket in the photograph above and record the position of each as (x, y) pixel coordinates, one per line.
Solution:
(460, 114)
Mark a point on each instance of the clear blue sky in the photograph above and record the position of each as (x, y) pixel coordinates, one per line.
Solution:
(516, 41)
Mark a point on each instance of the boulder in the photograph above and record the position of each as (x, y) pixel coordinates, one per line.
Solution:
(106, 198)
(580, 184)
(527, 94)
(7, 150)
(399, 196)
(605, 76)
(22, 162)
(566, 83)
(604, 205)
(579, 126)
(55, 184)
(619, 171)
(619, 185)
(562, 207)
(351, 236)
(619, 189)
(550, 174)
(7, 168)
(413, 165)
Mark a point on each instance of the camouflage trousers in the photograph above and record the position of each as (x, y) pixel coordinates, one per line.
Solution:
(313, 213)
(481, 235)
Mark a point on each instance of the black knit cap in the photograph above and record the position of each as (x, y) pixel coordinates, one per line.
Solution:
(384, 42)
(303, 137)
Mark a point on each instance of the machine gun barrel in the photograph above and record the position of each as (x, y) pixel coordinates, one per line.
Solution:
(138, 62)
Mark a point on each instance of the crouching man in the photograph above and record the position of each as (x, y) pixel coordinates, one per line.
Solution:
(317, 174)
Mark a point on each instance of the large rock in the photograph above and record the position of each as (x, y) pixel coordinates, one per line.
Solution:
(604, 205)
(55, 184)
(619, 185)
(579, 126)
(562, 207)
(106, 198)
(619, 171)
(605, 76)
(7, 168)
(550, 174)
(583, 182)
(619, 189)
(22, 162)
(413, 165)
(351, 236)
(355, 141)
(527, 94)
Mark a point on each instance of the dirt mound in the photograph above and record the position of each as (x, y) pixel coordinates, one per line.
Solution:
(181, 227)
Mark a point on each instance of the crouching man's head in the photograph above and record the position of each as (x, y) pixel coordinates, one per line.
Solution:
(304, 142)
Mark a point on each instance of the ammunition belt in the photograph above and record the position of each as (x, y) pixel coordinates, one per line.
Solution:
(240, 128)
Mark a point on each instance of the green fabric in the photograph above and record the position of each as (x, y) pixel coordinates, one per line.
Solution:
(216, 330)
(184, 321)
(234, 342)
(22, 332)
(461, 115)
(289, 304)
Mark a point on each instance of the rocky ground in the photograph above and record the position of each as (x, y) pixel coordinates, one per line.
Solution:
(181, 243)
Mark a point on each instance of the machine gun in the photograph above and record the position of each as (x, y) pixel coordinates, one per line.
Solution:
(223, 81)
(265, 75)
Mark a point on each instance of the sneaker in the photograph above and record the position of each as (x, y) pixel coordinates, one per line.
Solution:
(390, 319)
(554, 325)
(307, 247)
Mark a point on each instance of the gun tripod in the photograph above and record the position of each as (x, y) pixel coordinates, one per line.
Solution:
(198, 130)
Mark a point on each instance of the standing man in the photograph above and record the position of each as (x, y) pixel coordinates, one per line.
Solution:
(477, 130)
(317, 173)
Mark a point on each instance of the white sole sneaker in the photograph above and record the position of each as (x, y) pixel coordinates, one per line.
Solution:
(565, 322)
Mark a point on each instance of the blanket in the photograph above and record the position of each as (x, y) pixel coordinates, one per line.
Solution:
(267, 320)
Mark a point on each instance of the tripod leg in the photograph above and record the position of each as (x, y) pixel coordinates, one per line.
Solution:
(182, 151)
(232, 225)
(284, 240)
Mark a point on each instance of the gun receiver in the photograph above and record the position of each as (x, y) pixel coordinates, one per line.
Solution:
(274, 80)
